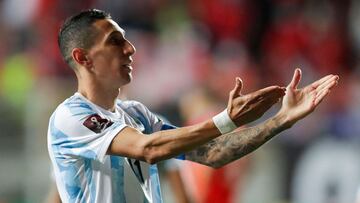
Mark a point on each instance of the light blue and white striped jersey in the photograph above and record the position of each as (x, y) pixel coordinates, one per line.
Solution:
(79, 135)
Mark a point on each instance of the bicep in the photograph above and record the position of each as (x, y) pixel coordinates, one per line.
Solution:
(129, 142)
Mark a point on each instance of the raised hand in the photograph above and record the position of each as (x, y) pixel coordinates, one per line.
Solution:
(298, 103)
(244, 109)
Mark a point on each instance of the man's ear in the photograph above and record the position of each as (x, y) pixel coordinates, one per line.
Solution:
(81, 57)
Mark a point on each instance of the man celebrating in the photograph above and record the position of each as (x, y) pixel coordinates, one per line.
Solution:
(94, 138)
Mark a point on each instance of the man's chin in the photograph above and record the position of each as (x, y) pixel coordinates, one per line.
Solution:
(127, 80)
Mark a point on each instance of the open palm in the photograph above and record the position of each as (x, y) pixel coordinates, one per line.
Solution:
(298, 103)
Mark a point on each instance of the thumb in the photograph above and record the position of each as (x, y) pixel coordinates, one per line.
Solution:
(238, 87)
(296, 79)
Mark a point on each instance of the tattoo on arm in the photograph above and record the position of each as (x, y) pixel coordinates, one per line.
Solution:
(232, 146)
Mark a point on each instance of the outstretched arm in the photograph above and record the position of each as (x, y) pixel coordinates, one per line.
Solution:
(232, 146)
(166, 144)
(297, 103)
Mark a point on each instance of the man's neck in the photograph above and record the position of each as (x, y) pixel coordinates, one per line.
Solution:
(99, 96)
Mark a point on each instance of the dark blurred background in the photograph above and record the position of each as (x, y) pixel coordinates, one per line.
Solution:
(188, 55)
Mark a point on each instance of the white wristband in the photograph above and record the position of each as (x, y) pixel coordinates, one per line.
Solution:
(223, 122)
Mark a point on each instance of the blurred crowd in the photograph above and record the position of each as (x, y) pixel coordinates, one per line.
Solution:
(188, 55)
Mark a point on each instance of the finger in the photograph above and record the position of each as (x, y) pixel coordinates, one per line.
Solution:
(296, 79)
(269, 91)
(278, 93)
(315, 84)
(327, 84)
(320, 96)
(275, 95)
(238, 87)
(272, 97)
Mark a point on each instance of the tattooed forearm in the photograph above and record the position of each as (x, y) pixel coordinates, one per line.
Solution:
(235, 145)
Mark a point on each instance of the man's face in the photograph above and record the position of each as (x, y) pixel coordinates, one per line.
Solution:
(111, 55)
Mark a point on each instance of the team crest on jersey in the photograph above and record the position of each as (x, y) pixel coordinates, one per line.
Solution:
(97, 124)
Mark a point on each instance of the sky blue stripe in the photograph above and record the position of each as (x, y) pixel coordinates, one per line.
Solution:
(79, 107)
(117, 174)
(155, 184)
(144, 121)
(66, 166)
(153, 171)
(89, 177)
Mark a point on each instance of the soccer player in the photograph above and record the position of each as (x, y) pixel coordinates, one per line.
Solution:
(96, 142)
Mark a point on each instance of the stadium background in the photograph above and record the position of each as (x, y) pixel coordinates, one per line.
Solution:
(188, 53)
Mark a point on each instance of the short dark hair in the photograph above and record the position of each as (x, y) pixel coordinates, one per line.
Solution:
(77, 31)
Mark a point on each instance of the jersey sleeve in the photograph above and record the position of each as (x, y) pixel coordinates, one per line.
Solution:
(81, 132)
(152, 121)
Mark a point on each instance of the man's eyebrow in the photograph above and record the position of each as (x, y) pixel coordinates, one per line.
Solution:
(116, 32)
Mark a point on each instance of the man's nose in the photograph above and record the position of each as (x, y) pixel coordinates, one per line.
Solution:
(129, 48)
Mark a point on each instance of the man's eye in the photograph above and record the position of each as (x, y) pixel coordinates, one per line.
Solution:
(115, 41)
